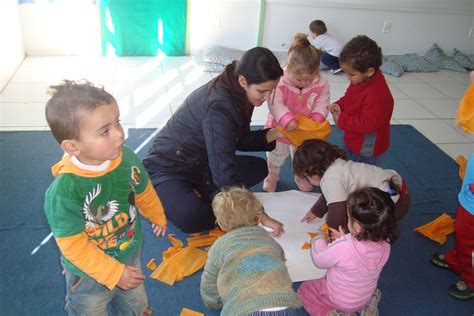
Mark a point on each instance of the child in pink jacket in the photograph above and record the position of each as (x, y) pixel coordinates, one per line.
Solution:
(354, 260)
(301, 90)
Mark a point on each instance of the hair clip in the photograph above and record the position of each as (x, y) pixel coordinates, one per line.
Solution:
(391, 191)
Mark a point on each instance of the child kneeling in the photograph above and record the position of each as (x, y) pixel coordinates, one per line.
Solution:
(245, 272)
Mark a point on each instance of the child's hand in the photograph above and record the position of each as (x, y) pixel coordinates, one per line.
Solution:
(335, 234)
(293, 125)
(335, 111)
(131, 278)
(309, 217)
(273, 134)
(158, 230)
(275, 226)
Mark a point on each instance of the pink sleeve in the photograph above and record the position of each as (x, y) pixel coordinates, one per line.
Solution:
(326, 255)
(320, 105)
(277, 107)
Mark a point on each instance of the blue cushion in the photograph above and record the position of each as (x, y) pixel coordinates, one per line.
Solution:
(392, 68)
(463, 59)
(436, 56)
(413, 62)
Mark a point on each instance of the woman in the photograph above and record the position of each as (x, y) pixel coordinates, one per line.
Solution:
(194, 154)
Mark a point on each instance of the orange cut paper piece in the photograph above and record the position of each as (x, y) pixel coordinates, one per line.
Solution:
(312, 234)
(306, 246)
(182, 264)
(307, 129)
(189, 312)
(199, 241)
(175, 241)
(462, 162)
(170, 252)
(437, 229)
(324, 228)
(216, 232)
(151, 264)
(465, 113)
(194, 234)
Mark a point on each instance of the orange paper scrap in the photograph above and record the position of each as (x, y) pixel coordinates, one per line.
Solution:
(151, 264)
(462, 162)
(215, 232)
(199, 241)
(312, 234)
(307, 129)
(174, 241)
(324, 228)
(306, 246)
(465, 114)
(189, 312)
(182, 264)
(438, 229)
(170, 251)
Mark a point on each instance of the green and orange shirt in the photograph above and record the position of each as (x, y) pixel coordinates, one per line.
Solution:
(93, 214)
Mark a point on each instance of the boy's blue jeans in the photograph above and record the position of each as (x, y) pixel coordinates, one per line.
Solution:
(371, 160)
(84, 296)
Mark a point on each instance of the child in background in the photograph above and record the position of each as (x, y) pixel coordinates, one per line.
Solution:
(364, 112)
(92, 205)
(353, 260)
(245, 272)
(460, 259)
(300, 90)
(325, 165)
(329, 46)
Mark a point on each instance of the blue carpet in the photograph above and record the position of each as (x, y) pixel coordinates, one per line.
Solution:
(32, 284)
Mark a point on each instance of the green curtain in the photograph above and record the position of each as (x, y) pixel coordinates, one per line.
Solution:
(142, 27)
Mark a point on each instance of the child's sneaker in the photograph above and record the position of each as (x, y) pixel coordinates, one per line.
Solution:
(270, 183)
(461, 291)
(439, 260)
(372, 309)
(303, 184)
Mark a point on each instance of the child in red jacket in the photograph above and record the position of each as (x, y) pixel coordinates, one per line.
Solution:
(364, 112)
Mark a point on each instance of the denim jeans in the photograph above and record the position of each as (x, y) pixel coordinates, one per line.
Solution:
(84, 296)
(371, 160)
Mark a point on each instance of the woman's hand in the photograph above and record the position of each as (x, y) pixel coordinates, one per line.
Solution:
(309, 217)
(273, 134)
(158, 230)
(273, 224)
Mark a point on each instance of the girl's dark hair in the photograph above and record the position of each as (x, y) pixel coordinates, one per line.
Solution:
(257, 65)
(374, 210)
(361, 53)
(314, 157)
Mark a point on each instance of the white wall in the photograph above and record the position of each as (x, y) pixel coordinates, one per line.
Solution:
(11, 52)
(415, 24)
(74, 29)
(62, 28)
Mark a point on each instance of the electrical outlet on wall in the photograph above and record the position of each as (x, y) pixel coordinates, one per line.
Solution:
(387, 26)
(470, 32)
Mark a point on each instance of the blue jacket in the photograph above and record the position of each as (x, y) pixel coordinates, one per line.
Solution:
(199, 141)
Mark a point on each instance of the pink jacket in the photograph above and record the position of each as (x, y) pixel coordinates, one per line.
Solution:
(311, 101)
(353, 268)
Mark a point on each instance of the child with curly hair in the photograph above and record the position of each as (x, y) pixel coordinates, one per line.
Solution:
(364, 112)
(325, 165)
(353, 260)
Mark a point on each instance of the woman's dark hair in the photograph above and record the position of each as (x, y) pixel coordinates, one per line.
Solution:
(314, 157)
(361, 53)
(257, 65)
(374, 210)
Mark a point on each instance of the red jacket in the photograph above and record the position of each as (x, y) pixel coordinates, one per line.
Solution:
(366, 110)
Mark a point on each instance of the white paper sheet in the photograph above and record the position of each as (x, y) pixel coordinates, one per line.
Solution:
(289, 207)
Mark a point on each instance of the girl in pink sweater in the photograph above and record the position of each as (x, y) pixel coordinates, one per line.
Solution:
(354, 260)
(301, 90)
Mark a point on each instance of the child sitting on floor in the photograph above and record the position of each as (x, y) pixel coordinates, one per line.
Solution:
(354, 260)
(329, 46)
(325, 165)
(245, 272)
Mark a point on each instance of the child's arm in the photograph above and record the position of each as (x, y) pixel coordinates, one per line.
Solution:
(87, 257)
(280, 112)
(209, 294)
(317, 210)
(325, 255)
(320, 108)
(150, 206)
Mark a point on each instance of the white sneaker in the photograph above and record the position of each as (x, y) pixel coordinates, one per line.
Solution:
(335, 71)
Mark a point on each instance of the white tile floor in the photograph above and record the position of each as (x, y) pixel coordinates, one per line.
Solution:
(149, 89)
